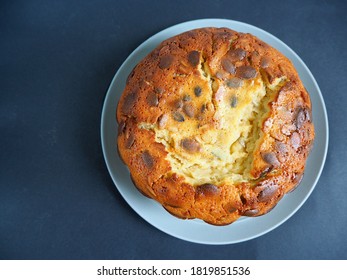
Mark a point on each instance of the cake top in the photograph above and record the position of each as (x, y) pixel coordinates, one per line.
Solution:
(206, 96)
(215, 108)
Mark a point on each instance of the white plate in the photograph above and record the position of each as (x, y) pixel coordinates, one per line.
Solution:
(195, 230)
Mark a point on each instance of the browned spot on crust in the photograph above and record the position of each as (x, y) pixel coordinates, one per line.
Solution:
(246, 72)
(190, 145)
(152, 99)
(227, 65)
(178, 117)
(251, 212)
(302, 115)
(270, 158)
(194, 58)
(207, 190)
(147, 159)
(162, 120)
(165, 61)
(295, 140)
(129, 102)
(234, 82)
(121, 127)
(130, 139)
(265, 62)
(237, 54)
(189, 110)
(197, 91)
(267, 192)
(230, 208)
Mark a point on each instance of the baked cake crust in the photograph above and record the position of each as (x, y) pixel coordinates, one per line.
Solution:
(215, 124)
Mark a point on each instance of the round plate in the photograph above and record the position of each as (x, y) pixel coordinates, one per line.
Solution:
(196, 230)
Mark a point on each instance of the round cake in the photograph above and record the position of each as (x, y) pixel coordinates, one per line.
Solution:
(215, 124)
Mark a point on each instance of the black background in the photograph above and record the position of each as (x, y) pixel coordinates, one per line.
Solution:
(57, 200)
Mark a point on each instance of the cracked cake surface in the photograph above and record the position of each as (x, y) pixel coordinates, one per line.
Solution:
(215, 124)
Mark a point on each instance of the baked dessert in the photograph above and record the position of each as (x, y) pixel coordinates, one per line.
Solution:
(215, 124)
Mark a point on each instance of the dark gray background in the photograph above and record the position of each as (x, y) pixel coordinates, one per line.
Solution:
(57, 200)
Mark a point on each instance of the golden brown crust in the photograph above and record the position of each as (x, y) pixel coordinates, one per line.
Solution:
(154, 96)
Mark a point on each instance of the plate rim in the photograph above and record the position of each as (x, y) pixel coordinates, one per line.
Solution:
(214, 22)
